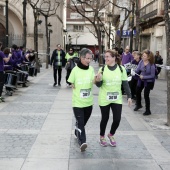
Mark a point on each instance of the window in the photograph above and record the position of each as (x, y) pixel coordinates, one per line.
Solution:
(89, 14)
(75, 2)
(101, 14)
(75, 16)
(78, 28)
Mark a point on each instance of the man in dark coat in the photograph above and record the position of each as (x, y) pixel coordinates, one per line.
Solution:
(58, 61)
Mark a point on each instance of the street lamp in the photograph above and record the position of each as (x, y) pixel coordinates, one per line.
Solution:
(6, 13)
(76, 41)
(24, 23)
(101, 40)
(69, 38)
(103, 35)
(110, 22)
(48, 46)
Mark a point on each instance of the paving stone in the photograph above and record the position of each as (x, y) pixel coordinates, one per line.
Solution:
(43, 92)
(164, 139)
(16, 145)
(80, 164)
(35, 98)
(128, 147)
(27, 108)
(135, 164)
(21, 122)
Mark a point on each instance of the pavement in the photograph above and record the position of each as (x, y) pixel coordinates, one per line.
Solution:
(37, 131)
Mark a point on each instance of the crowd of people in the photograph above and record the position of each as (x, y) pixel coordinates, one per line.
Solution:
(112, 81)
(16, 65)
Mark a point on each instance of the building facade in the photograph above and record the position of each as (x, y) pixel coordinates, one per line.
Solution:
(152, 35)
(80, 32)
(15, 22)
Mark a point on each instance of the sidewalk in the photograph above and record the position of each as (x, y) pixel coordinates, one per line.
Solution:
(37, 131)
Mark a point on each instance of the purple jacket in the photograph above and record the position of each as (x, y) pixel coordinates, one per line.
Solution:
(1, 61)
(10, 63)
(127, 58)
(148, 72)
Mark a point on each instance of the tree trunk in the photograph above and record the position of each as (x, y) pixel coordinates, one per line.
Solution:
(132, 27)
(120, 37)
(47, 39)
(137, 25)
(167, 28)
(24, 24)
(36, 41)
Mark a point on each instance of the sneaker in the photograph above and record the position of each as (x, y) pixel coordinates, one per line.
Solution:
(103, 141)
(111, 140)
(147, 112)
(137, 107)
(83, 147)
(54, 84)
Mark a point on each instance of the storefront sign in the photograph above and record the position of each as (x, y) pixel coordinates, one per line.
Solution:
(126, 33)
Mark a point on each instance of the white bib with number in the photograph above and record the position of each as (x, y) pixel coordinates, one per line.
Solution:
(112, 96)
(85, 93)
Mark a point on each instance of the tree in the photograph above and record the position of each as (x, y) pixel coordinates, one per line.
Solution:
(49, 8)
(95, 7)
(34, 5)
(167, 28)
(127, 12)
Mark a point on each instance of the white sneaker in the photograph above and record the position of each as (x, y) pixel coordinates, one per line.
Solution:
(83, 147)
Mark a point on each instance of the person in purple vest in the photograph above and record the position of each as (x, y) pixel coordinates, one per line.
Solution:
(2, 59)
(146, 72)
(127, 57)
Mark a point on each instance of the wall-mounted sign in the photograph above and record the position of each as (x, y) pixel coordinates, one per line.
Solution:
(126, 33)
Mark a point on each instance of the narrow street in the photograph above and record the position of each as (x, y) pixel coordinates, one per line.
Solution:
(37, 131)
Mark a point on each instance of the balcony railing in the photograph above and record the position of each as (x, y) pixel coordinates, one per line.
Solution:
(150, 10)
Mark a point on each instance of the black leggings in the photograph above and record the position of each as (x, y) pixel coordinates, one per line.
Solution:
(59, 70)
(133, 85)
(82, 115)
(147, 90)
(1, 82)
(67, 76)
(105, 111)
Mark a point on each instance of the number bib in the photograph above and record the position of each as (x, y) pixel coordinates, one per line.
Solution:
(112, 96)
(85, 93)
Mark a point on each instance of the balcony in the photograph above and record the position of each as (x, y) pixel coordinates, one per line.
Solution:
(151, 14)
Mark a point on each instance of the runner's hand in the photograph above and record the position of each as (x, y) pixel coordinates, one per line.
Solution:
(98, 77)
(72, 85)
(129, 102)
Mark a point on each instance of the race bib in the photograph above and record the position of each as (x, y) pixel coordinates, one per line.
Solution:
(85, 93)
(112, 96)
